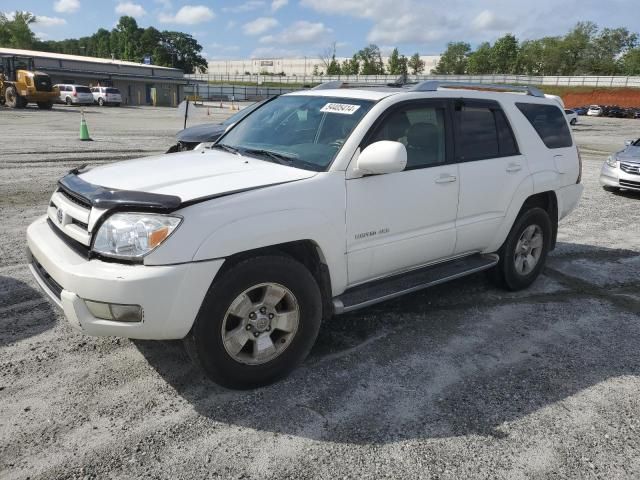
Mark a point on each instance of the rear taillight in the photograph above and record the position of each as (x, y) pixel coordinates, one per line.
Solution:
(579, 165)
(75, 94)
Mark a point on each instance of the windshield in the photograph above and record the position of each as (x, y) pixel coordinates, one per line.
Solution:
(301, 131)
(236, 117)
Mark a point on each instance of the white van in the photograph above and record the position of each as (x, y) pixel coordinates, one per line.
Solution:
(74, 94)
(106, 96)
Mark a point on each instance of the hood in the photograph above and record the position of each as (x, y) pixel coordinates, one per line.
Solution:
(208, 132)
(193, 175)
(630, 154)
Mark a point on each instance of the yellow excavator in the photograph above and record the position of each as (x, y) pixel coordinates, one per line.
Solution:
(21, 83)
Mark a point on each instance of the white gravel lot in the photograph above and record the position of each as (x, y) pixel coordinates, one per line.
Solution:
(459, 381)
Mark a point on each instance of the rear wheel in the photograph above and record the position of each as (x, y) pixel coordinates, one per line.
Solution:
(257, 322)
(12, 99)
(45, 105)
(68, 101)
(524, 253)
(101, 102)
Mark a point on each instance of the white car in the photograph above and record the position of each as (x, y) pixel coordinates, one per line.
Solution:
(106, 96)
(594, 111)
(74, 94)
(317, 203)
(572, 116)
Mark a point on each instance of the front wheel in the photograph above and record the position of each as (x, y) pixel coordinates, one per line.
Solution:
(523, 254)
(257, 322)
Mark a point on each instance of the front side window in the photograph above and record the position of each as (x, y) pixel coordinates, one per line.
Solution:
(422, 131)
(298, 130)
(549, 122)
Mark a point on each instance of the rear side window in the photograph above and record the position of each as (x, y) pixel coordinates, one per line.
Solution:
(483, 132)
(83, 90)
(549, 122)
(112, 90)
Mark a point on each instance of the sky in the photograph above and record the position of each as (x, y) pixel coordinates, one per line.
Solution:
(294, 28)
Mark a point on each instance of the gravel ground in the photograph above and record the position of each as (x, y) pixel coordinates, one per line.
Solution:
(459, 381)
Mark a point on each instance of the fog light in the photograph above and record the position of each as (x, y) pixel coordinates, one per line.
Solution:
(115, 311)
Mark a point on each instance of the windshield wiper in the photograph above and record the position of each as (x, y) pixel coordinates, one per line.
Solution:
(280, 158)
(228, 148)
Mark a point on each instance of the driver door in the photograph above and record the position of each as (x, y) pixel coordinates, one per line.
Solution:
(400, 221)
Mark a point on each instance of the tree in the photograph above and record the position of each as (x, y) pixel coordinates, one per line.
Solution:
(630, 62)
(16, 32)
(504, 55)
(481, 61)
(607, 48)
(351, 66)
(334, 67)
(184, 51)
(394, 62)
(416, 64)
(454, 60)
(576, 45)
(371, 59)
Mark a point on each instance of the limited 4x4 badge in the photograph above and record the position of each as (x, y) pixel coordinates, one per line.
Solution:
(372, 233)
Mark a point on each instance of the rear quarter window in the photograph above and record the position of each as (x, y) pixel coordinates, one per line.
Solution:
(83, 90)
(549, 122)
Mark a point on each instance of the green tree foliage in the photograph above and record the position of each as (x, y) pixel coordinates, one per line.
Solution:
(454, 60)
(393, 64)
(630, 62)
(371, 60)
(126, 41)
(481, 61)
(504, 55)
(415, 64)
(333, 68)
(16, 32)
(351, 67)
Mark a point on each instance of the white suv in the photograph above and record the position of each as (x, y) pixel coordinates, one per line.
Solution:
(106, 96)
(317, 203)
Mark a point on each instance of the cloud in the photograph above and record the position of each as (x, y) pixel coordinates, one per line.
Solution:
(259, 26)
(231, 24)
(66, 6)
(245, 7)
(299, 32)
(131, 9)
(223, 48)
(487, 20)
(166, 4)
(278, 4)
(275, 52)
(45, 21)
(188, 15)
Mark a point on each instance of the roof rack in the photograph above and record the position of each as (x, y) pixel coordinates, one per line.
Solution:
(433, 85)
(401, 81)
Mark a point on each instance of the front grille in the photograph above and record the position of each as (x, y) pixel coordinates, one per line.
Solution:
(629, 184)
(48, 280)
(43, 83)
(632, 168)
(69, 216)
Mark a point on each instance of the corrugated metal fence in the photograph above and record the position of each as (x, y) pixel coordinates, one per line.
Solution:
(253, 87)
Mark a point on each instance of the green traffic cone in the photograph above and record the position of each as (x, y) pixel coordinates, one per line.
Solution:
(84, 131)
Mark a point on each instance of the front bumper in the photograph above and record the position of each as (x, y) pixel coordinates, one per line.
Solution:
(615, 177)
(170, 295)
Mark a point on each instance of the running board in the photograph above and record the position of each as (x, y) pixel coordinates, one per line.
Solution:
(381, 290)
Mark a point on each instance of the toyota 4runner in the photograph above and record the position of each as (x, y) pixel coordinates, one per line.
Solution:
(317, 203)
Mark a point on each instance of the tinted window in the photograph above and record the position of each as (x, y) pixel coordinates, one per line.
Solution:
(549, 122)
(112, 90)
(83, 90)
(483, 132)
(420, 129)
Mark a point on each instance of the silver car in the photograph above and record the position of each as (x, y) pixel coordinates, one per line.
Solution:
(622, 169)
(74, 94)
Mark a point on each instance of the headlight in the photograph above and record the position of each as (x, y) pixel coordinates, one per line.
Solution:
(612, 161)
(133, 235)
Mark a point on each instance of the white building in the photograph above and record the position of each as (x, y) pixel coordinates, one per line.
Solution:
(290, 66)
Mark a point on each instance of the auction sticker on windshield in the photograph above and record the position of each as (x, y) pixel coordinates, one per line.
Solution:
(344, 108)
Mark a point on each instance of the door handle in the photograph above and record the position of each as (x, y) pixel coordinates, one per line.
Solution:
(514, 167)
(446, 178)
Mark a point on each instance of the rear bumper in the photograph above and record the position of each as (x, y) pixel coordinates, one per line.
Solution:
(170, 295)
(568, 198)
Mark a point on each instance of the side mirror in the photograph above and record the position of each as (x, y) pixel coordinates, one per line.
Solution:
(382, 157)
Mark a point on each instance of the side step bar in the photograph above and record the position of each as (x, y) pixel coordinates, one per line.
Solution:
(385, 289)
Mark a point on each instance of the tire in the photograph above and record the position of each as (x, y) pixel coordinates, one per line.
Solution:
(68, 101)
(243, 285)
(45, 105)
(101, 102)
(12, 99)
(512, 274)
